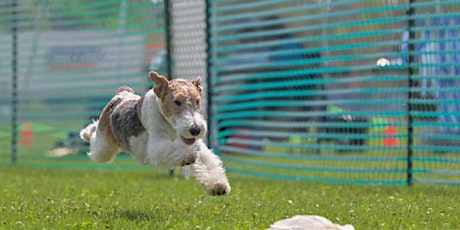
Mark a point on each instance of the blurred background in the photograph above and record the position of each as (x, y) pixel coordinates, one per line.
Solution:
(317, 90)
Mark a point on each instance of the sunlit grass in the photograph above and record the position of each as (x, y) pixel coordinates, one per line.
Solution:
(56, 198)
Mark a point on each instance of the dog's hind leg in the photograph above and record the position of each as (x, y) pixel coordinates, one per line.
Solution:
(209, 171)
(102, 149)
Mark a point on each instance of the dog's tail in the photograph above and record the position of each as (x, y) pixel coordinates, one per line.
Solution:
(86, 133)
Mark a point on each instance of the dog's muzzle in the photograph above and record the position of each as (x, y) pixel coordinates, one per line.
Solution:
(195, 130)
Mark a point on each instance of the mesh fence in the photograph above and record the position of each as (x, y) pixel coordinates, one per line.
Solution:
(61, 62)
(338, 91)
(319, 90)
(188, 41)
(435, 89)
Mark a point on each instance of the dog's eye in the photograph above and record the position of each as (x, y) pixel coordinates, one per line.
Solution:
(197, 102)
(178, 103)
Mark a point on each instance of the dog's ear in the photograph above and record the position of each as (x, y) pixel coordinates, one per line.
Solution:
(196, 82)
(161, 84)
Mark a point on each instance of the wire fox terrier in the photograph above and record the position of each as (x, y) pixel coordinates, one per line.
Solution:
(164, 128)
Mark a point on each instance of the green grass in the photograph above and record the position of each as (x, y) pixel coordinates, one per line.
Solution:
(56, 198)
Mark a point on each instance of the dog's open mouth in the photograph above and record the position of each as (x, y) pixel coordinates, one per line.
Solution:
(188, 141)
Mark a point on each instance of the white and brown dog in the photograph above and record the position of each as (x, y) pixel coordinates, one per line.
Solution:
(164, 128)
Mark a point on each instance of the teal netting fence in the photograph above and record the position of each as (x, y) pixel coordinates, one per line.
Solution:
(338, 91)
(322, 90)
(60, 64)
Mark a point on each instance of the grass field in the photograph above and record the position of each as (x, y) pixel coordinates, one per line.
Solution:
(53, 198)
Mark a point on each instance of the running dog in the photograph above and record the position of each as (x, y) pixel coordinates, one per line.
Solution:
(164, 129)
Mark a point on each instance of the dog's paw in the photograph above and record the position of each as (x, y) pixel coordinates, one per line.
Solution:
(190, 159)
(219, 189)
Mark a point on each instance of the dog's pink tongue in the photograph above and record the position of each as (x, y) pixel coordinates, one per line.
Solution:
(188, 141)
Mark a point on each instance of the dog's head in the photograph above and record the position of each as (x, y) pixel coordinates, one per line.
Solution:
(180, 103)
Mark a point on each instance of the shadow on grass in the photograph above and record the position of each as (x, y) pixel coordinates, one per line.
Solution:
(136, 215)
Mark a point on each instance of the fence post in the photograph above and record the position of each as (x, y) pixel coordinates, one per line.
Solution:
(14, 80)
(167, 17)
(208, 70)
(411, 85)
(168, 35)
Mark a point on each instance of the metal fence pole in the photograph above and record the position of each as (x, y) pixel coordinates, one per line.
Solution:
(14, 79)
(167, 16)
(208, 69)
(168, 34)
(411, 84)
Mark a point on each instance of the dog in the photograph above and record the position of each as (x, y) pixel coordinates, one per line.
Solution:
(163, 128)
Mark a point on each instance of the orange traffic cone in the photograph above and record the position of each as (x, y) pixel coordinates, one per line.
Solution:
(27, 135)
(390, 139)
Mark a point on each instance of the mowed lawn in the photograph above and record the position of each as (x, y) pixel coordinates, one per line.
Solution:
(56, 198)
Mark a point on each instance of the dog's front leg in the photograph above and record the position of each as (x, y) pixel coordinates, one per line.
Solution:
(209, 171)
(162, 153)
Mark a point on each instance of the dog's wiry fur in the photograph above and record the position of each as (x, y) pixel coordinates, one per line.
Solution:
(164, 128)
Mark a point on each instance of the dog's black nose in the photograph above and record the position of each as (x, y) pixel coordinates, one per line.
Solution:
(195, 130)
